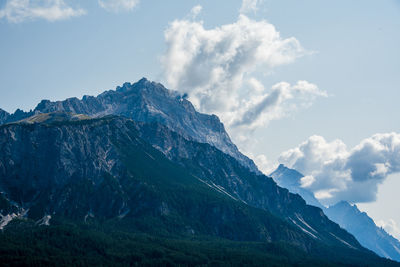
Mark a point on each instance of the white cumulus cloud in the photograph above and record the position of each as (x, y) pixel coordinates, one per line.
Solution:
(340, 173)
(263, 163)
(216, 68)
(118, 5)
(16, 11)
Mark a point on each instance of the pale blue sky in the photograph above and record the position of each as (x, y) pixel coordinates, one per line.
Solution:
(355, 59)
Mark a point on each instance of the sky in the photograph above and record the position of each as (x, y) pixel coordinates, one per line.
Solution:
(311, 84)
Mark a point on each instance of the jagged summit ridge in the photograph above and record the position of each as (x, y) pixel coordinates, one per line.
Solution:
(146, 101)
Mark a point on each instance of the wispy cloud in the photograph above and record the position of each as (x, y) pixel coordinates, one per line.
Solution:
(16, 11)
(275, 103)
(195, 11)
(249, 6)
(118, 5)
(340, 173)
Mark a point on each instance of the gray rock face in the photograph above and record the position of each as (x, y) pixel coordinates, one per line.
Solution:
(38, 162)
(147, 101)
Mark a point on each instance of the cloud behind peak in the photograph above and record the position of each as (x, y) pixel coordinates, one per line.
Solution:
(217, 67)
(346, 174)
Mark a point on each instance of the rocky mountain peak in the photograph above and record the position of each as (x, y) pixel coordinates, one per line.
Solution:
(147, 101)
(43, 104)
(124, 88)
(343, 204)
(344, 207)
(286, 177)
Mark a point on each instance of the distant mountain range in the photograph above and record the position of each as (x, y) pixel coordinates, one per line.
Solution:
(364, 228)
(346, 215)
(140, 167)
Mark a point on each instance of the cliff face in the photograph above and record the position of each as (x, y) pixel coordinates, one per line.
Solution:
(102, 169)
(147, 101)
(40, 164)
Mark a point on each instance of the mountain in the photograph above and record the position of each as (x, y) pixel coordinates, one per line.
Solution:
(140, 167)
(291, 179)
(101, 168)
(146, 101)
(44, 163)
(100, 180)
(224, 174)
(364, 229)
(346, 215)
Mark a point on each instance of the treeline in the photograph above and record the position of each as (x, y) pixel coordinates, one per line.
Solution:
(24, 244)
